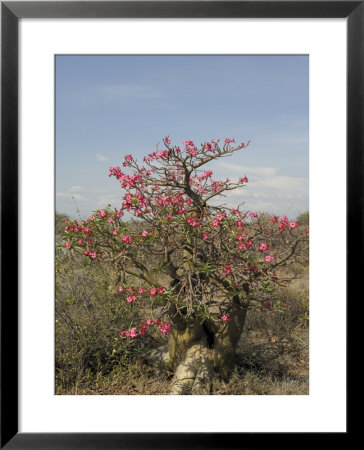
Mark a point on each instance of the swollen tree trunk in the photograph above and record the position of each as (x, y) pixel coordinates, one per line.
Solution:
(196, 351)
(226, 341)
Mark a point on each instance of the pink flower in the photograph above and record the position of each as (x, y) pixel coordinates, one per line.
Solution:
(268, 259)
(141, 290)
(102, 213)
(163, 154)
(129, 158)
(126, 239)
(263, 247)
(243, 180)
(282, 226)
(225, 318)
(133, 333)
(131, 298)
(205, 236)
(92, 255)
(158, 321)
(161, 290)
(67, 245)
(153, 292)
(227, 140)
(191, 221)
(91, 217)
(206, 174)
(227, 269)
(167, 140)
(149, 322)
(284, 219)
(293, 225)
(115, 232)
(165, 328)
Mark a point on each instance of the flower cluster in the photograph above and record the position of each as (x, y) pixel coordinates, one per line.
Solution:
(92, 255)
(218, 219)
(285, 223)
(133, 291)
(134, 332)
(74, 227)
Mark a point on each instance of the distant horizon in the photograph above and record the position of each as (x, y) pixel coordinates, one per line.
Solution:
(110, 106)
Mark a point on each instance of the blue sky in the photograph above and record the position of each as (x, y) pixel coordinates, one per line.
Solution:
(110, 106)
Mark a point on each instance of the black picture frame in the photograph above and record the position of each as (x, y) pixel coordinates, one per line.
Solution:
(11, 12)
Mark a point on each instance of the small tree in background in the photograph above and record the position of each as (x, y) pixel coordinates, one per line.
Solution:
(198, 268)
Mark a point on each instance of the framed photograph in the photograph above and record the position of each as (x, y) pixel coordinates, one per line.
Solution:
(233, 130)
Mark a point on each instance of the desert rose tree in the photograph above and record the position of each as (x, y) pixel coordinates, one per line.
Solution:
(196, 266)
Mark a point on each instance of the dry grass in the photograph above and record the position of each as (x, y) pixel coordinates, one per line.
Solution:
(263, 368)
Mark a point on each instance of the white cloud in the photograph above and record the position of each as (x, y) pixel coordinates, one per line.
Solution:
(62, 195)
(107, 199)
(240, 170)
(70, 195)
(284, 186)
(101, 157)
(76, 189)
(73, 193)
(274, 194)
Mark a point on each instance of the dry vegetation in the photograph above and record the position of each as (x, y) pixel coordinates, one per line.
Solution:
(92, 359)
